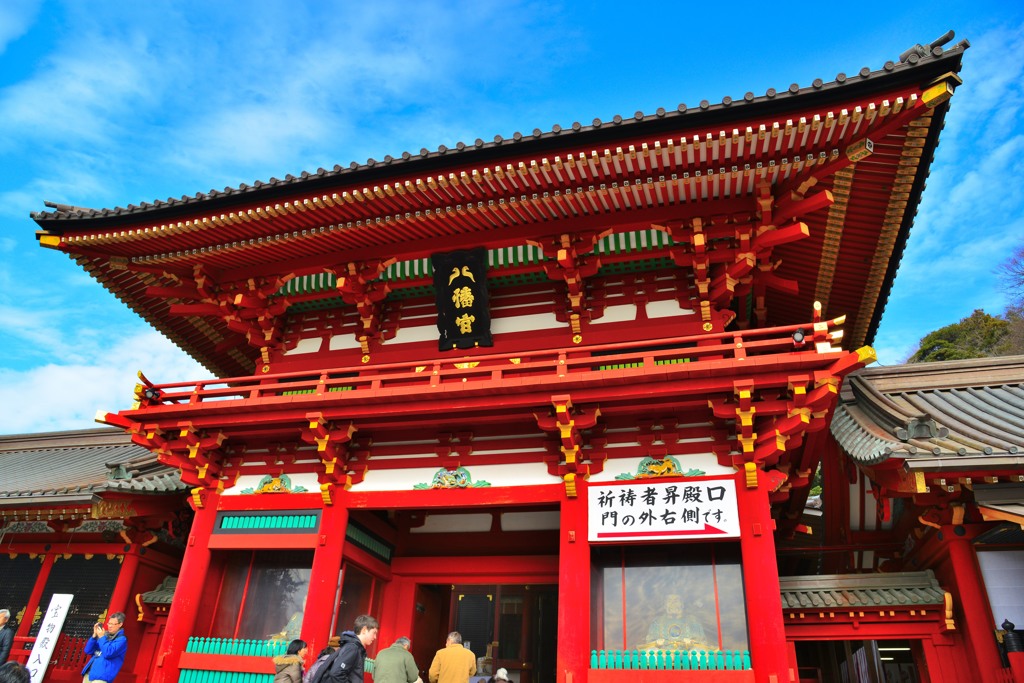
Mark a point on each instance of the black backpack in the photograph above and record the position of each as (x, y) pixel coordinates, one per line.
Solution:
(321, 673)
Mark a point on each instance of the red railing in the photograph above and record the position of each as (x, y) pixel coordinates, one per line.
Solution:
(704, 349)
(68, 653)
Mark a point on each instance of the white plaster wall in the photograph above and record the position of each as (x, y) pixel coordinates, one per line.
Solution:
(309, 345)
(498, 475)
(707, 462)
(525, 323)
(666, 309)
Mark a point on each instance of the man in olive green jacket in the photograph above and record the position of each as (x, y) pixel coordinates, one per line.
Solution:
(395, 664)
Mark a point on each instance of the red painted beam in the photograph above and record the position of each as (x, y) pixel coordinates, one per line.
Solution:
(232, 663)
(275, 541)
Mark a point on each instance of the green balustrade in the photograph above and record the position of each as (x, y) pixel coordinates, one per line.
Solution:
(269, 522)
(194, 676)
(692, 660)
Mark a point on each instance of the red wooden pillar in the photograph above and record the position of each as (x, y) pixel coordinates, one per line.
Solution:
(970, 588)
(122, 594)
(768, 651)
(181, 619)
(837, 512)
(944, 661)
(573, 658)
(35, 596)
(398, 608)
(1016, 666)
(932, 671)
(322, 598)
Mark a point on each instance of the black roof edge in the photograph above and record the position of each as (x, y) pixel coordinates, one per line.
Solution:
(902, 237)
(776, 103)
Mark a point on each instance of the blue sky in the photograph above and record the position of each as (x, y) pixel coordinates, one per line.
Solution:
(112, 103)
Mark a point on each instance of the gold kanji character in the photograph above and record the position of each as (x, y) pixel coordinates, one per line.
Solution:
(462, 297)
(465, 323)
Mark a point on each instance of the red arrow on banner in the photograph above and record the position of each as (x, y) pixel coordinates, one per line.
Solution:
(708, 530)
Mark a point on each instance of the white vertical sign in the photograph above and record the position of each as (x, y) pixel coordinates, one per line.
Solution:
(53, 622)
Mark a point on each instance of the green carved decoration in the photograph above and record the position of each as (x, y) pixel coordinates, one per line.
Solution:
(278, 484)
(651, 468)
(452, 479)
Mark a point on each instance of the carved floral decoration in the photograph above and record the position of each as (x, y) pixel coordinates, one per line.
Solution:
(458, 478)
(651, 468)
(279, 484)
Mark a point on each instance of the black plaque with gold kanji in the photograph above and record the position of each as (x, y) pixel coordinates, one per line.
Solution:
(460, 287)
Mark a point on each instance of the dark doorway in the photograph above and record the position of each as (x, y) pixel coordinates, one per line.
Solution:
(514, 627)
(430, 624)
(859, 661)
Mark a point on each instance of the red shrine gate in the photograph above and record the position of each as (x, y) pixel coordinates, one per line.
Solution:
(433, 368)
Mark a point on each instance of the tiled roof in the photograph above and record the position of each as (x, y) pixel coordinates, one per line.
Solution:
(66, 467)
(162, 594)
(622, 175)
(1002, 501)
(957, 413)
(556, 133)
(843, 591)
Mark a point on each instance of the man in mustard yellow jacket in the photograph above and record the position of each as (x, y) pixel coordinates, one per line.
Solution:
(453, 663)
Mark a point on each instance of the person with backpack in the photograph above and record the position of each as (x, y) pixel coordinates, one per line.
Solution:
(332, 647)
(346, 665)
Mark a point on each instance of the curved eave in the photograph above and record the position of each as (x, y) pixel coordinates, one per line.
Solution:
(280, 226)
(862, 439)
(975, 411)
(772, 103)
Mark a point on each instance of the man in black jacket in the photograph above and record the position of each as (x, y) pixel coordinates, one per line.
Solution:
(6, 635)
(346, 665)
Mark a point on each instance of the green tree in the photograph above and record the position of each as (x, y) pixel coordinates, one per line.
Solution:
(979, 335)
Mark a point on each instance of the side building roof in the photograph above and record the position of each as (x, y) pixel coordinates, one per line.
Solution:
(74, 467)
(948, 415)
(860, 591)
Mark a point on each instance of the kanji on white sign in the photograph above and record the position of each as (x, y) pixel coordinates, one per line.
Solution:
(49, 630)
(679, 510)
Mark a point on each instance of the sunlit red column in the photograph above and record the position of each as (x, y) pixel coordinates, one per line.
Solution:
(767, 633)
(573, 657)
(188, 593)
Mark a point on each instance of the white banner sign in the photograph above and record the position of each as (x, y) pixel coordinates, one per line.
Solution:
(646, 510)
(53, 622)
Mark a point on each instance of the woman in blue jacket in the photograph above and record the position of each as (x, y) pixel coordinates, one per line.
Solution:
(107, 649)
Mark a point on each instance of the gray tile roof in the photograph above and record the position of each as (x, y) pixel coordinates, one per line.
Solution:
(1001, 501)
(965, 414)
(857, 591)
(67, 467)
(579, 132)
(162, 594)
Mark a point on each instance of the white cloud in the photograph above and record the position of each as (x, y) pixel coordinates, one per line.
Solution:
(77, 95)
(67, 395)
(16, 16)
(971, 217)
